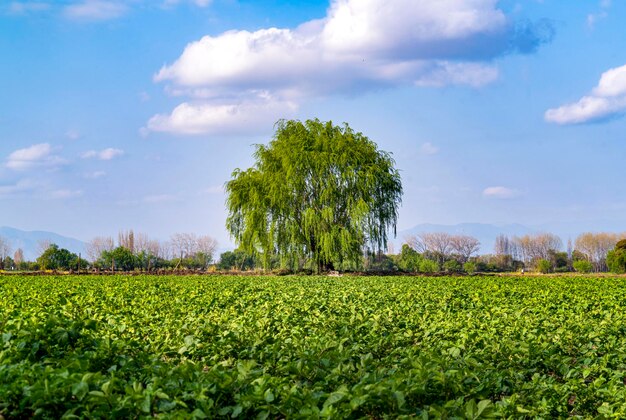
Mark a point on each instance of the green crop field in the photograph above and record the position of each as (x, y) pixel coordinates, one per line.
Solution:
(312, 347)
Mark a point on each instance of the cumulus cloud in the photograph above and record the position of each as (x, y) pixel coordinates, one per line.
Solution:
(359, 45)
(95, 10)
(106, 154)
(500, 192)
(245, 117)
(36, 156)
(606, 100)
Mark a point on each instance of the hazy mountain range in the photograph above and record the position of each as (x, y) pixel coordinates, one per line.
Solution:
(29, 241)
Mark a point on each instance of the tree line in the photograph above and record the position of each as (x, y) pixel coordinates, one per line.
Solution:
(424, 253)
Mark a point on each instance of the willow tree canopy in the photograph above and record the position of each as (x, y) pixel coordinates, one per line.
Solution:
(317, 192)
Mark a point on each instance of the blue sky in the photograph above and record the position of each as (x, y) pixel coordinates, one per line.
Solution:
(132, 114)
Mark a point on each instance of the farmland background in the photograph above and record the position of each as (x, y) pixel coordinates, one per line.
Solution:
(212, 346)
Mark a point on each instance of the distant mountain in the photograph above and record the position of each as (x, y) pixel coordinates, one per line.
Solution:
(485, 233)
(29, 241)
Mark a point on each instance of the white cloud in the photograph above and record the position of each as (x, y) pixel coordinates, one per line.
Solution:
(159, 198)
(606, 100)
(106, 154)
(215, 189)
(110, 153)
(359, 45)
(36, 156)
(95, 175)
(246, 117)
(594, 18)
(64, 194)
(95, 10)
(25, 185)
(21, 7)
(72, 134)
(500, 192)
(199, 3)
(429, 149)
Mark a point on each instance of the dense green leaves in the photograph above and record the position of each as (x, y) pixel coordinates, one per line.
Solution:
(312, 347)
(317, 192)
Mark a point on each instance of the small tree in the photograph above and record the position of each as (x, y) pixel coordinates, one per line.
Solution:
(409, 259)
(121, 258)
(55, 258)
(616, 259)
(237, 259)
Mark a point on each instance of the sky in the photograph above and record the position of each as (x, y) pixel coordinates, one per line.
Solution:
(132, 114)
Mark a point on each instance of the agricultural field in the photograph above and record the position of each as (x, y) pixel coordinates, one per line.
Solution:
(312, 347)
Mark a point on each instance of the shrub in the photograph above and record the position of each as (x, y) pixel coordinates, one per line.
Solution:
(544, 266)
(429, 266)
(452, 266)
(583, 266)
(469, 267)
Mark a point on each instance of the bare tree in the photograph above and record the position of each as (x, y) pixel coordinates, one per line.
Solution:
(502, 246)
(126, 239)
(183, 244)
(437, 243)
(43, 245)
(595, 247)
(18, 257)
(97, 246)
(538, 246)
(207, 246)
(189, 245)
(464, 246)
(5, 248)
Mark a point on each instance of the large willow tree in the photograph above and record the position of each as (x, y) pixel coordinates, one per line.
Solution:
(319, 193)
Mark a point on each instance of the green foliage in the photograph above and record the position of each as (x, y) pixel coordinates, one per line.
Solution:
(616, 260)
(583, 266)
(55, 258)
(381, 262)
(543, 266)
(311, 347)
(452, 266)
(120, 258)
(469, 267)
(621, 244)
(236, 260)
(409, 259)
(317, 191)
(429, 266)
(558, 260)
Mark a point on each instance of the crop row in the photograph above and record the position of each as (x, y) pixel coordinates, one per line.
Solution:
(312, 347)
